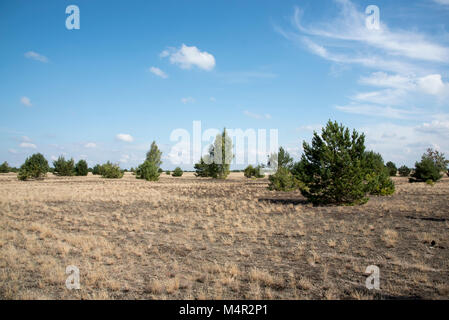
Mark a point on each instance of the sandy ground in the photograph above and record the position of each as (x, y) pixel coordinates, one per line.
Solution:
(195, 238)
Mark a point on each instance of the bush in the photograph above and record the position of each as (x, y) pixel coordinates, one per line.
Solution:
(167, 172)
(217, 163)
(283, 180)
(154, 155)
(111, 171)
(96, 170)
(148, 171)
(177, 172)
(425, 170)
(404, 171)
(81, 168)
(4, 167)
(35, 167)
(377, 175)
(392, 170)
(332, 167)
(63, 167)
(249, 171)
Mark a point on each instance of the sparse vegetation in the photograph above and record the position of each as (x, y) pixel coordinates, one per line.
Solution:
(111, 171)
(81, 168)
(4, 167)
(404, 171)
(283, 180)
(217, 163)
(177, 172)
(35, 167)
(148, 171)
(253, 172)
(64, 167)
(392, 170)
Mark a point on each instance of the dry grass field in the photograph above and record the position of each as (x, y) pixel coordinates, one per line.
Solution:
(195, 238)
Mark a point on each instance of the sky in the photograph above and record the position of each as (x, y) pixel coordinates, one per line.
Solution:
(135, 71)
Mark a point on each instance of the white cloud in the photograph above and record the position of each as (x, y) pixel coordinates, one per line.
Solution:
(27, 145)
(26, 101)
(158, 72)
(433, 84)
(256, 115)
(124, 137)
(36, 56)
(379, 111)
(187, 100)
(90, 145)
(186, 57)
(26, 139)
(13, 151)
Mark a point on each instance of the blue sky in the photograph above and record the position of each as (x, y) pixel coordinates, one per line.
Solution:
(137, 70)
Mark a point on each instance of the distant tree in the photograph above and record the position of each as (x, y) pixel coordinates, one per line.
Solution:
(404, 171)
(177, 172)
(154, 155)
(392, 170)
(4, 167)
(437, 158)
(148, 171)
(35, 167)
(426, 170)
(216, 164)
(167, 172)
(81, 168)
(63, 167)
(284, 159)
(96, 169)
(111, 171)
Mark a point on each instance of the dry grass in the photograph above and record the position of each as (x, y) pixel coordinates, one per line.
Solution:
(194, 238)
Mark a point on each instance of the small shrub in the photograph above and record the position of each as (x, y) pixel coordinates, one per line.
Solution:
(4, 167)
(81, 168)
(430, 182)
(283, 180)
(177, 172)
(249, 171)
(392, 170)
(111, 171)
(160, 170)
(167, 172)
(35, 167)
(63, 167)
(148, 171)
(96, 170)
(404, 171)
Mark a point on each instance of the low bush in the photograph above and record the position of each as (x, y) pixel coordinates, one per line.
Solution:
(35, 167)
(81, 168)
(111, 171)
(4, 167)
(148, 171)
(283, 180)
(392, 170)
(425, 170)
(404, 171)
(177, 172)
(64, 167)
